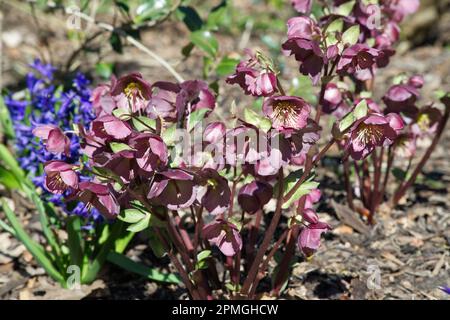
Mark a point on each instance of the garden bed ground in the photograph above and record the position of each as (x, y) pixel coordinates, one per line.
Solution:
(409, 245)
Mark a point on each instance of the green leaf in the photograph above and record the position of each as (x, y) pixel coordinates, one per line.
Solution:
(36, 250)
(5, 120)
(257, 120)
(104, 70)
(206, 41)
(140, 225)
(156, 245)
(142, 123)
(190, 17)
(11, 164)
(346, 8)
(151, 273)
(8, 180)
(169, 135)
(361, 109)
(336, 26)
(203, 255)
(226, 66)
(122, 114)
(196, 117)
(290, 181)
(116, 42)
(399, 174)
(218, 16)
(151, 10)
(119, 146)
(346, 122)
(351, 35)
(75, 240)
(132, 215)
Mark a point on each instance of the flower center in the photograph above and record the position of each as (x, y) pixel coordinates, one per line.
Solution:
(370, 134)
(133, 88)
(424, 121)
(212, 183)
(286, 112)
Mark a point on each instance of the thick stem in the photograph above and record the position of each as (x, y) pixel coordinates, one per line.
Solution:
(268, 237)
(401, 192)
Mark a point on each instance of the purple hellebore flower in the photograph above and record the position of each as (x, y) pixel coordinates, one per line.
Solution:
(303, 35)
(373, 130)
(254, 195)
(102, 101)
(312, 197)
(54, 138)
(163, 100)
(287, 112)
(302, 140)
(110, 127)
(399, 9)
(416, 81)
(60, 176)
(100, 197)
(309, 238)
(406, 145)
(332, 98)
(401, 98)
(194, 95)
(132, 85)
(358, 60)
(224, 235)
(214, 193)
(150, 151)
(426, 121)
(173, 188)
(253, 78)
(302, 6)
(214, 132)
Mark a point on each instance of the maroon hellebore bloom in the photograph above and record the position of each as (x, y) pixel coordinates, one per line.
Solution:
(60, 177)
(214, 193)
(102, 101)
(163, 100)
(214, 132)
(309, 238)
(373, 130)
(54, 138)
(254, 195)
(287, 112)
(150, 151)
(303, 44)
(224, 235)
(399, 9)
(401, 98)
(254, 78)
(194, 95)
(302, 6)
(100, 197)
(110, 127)
(174, 189)
(426, 121)
(358, 60)
(132, 85)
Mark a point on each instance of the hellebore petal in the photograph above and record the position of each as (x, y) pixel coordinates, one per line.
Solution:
(214, 132)
(215, 192)
(254, 195)
(309, 238)
(110, 127)
(224, 235)
(287, 112)
(302, 6)
(131, 85)
(60, 176)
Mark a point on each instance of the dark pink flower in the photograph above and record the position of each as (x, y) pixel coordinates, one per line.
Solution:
(358, 60)
(287, 112)
(110, 127)
(373, 130)
(254, 195)
(416, 81)
(214, 192)
(309, 238)
(173, 188)
(163, 100)
(426, 121)
(303, 43)
(214, 132)
(399, 9)
(100, 197)
(60, 176)
(102, 101)
(401, 98)
(302, 140)
(194, 95)
(132, 86)
(312, 197)
(302, 6)
(150, 151)
(224, 235)
(54, 138)
(254, 78)
(406, 145)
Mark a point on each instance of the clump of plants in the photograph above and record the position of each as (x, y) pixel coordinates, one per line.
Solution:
(212, 193)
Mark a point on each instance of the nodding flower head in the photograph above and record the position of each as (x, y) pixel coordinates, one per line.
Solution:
(214, 192)
(287, 113)
(98, 196)
(359, 60)
(401, 98)
(309, 238)
(132, 86)
(60, 176)
(54, 138)
(254, 77)
(224, 235)
(254, 195)
(373, 130)
(426, 121)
